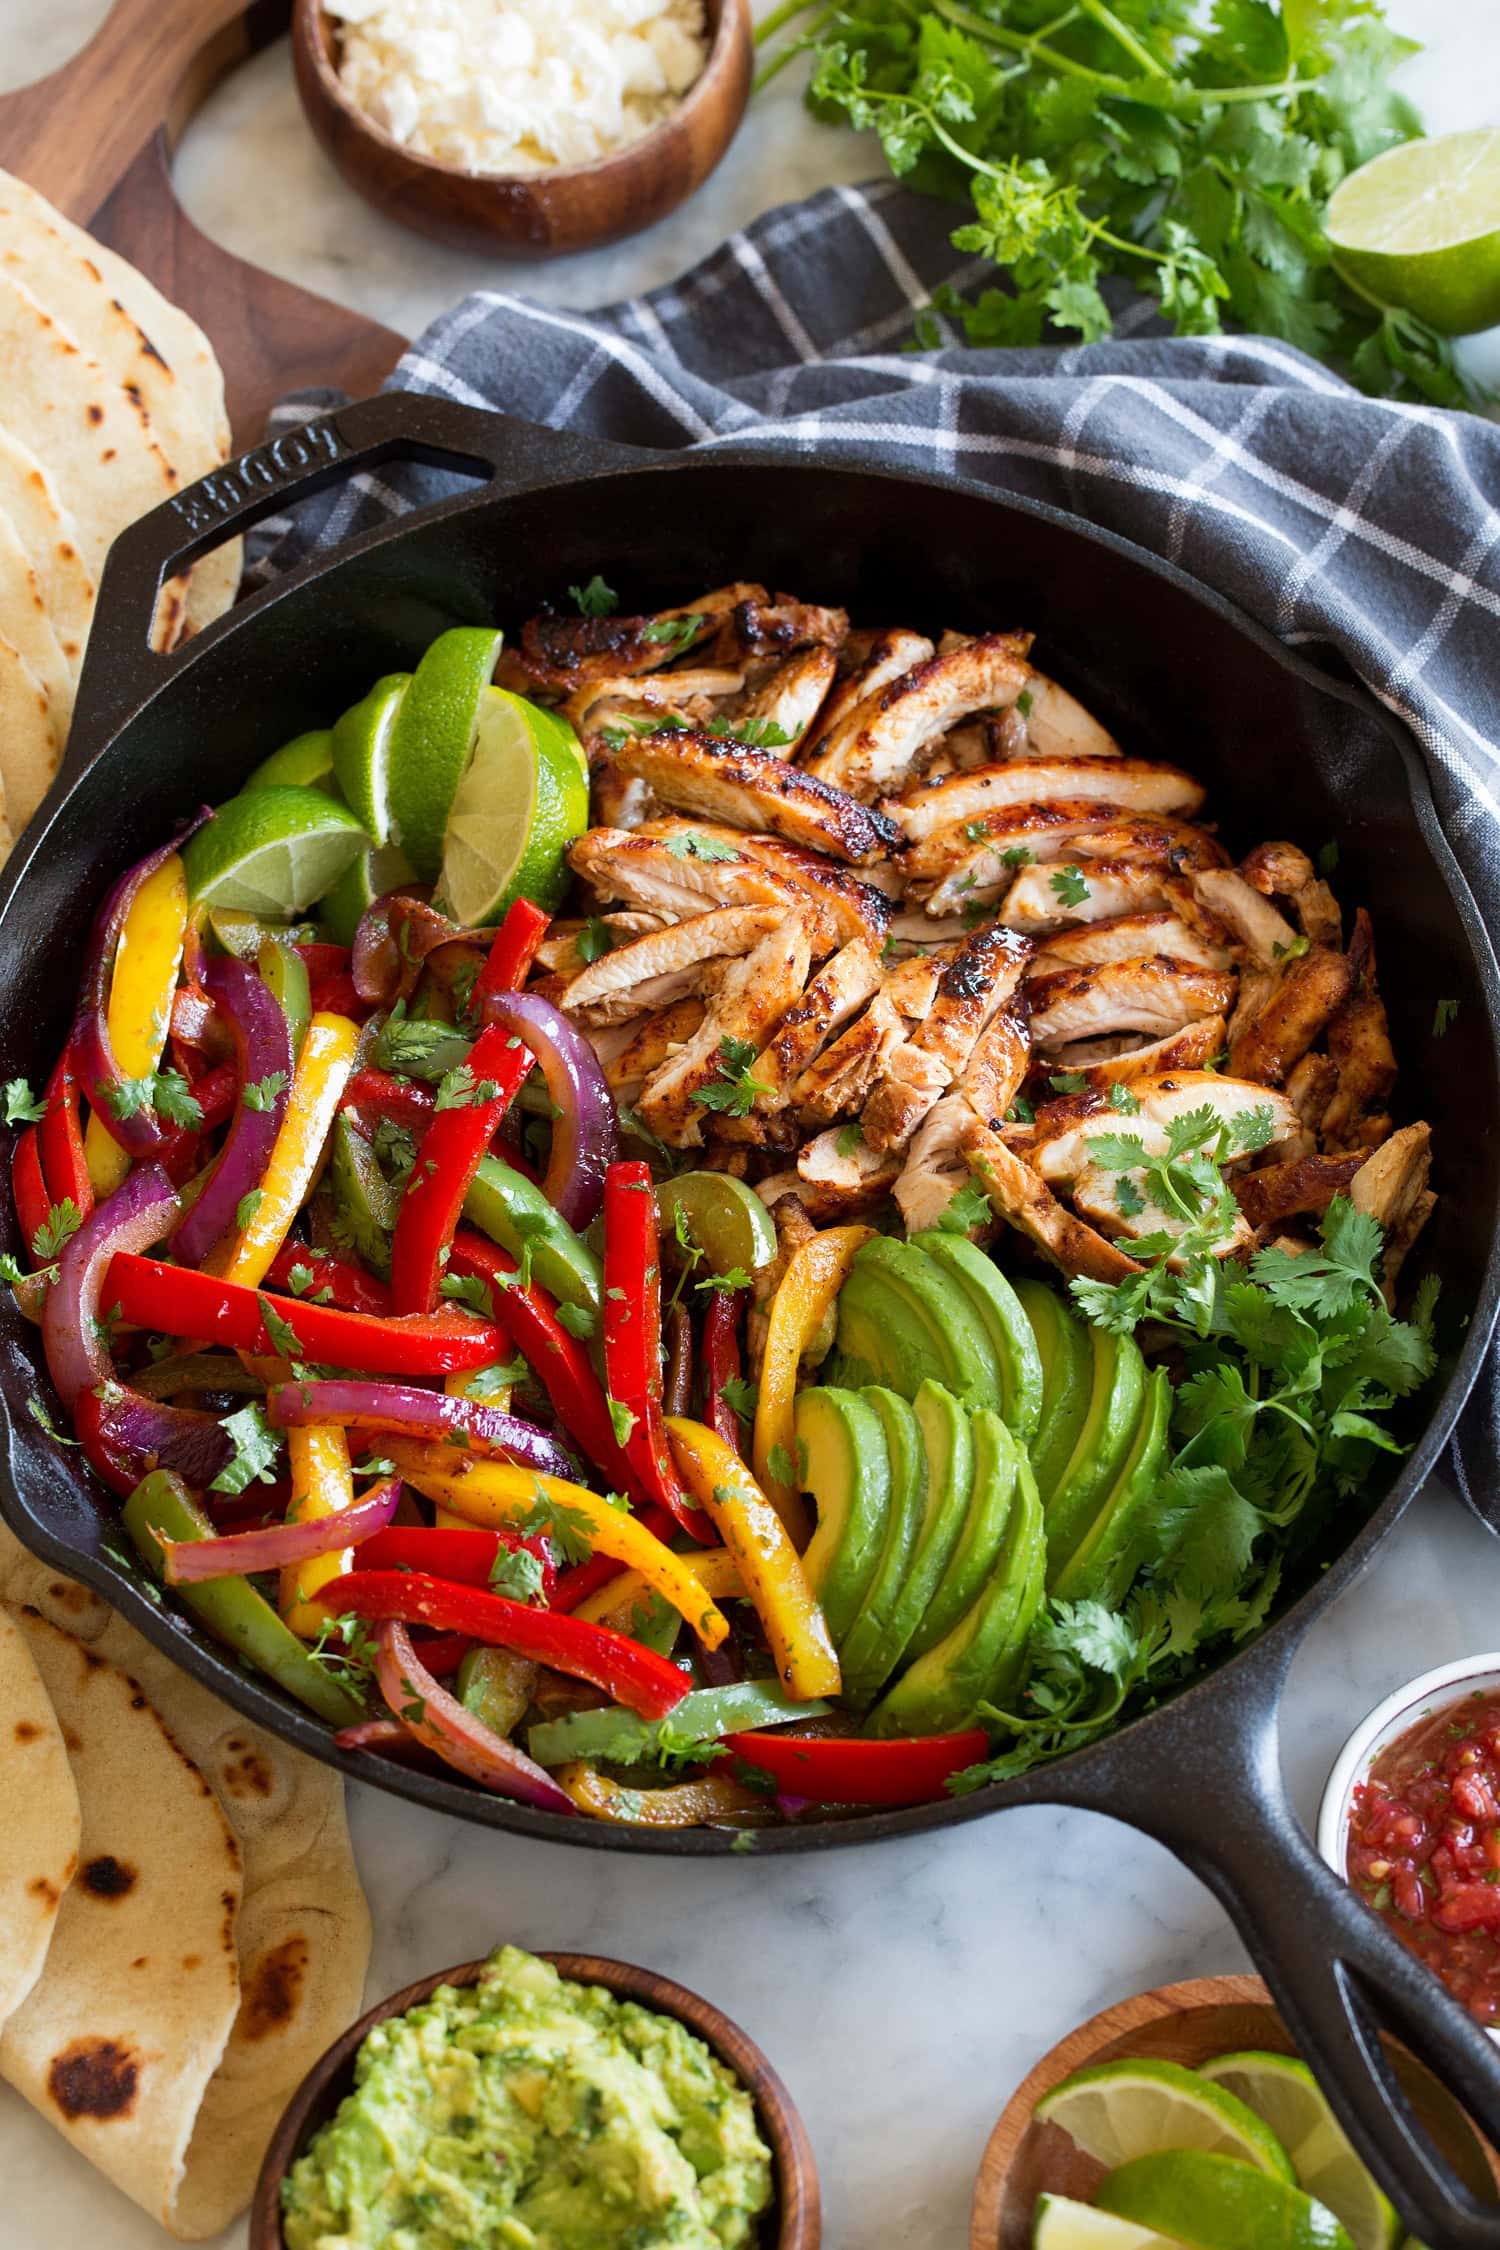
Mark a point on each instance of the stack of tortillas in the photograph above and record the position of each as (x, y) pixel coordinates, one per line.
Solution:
(110, 400)
(182, 1929)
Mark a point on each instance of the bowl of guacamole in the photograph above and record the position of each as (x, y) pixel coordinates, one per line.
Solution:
(540, 2102)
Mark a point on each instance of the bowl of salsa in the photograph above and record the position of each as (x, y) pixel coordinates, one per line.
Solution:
(1411, 1819)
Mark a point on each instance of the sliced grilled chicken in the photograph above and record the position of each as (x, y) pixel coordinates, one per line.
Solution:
(1097, 1195)
(1152, 994)
(1117, 1062)
(1112, 889)
(755, 627)
(1309, 990)
(1124, 938)
(625, 697)
(746, 788)
(841, 986)
(835, 1083)
(791, 698)
(746, 1011)
(664, 965)
(980, 979)
(1359, 1047)
(1392, 1187)
(993, 1075)
(1281, 870)
(881, 659)
(1303, 1183)
(1058, 726)
(974, 742)
(558, 951)
(1059, 1141)
(873, 746)
(564, 653)
(841, 1160)
(1251, 920)
(1140, 784)
(644, 1045)
(935, 1167)
(1026, 1202)
(846, 905)
(679, 868)
(912, 986)
(1309, 1089)
(975, 863)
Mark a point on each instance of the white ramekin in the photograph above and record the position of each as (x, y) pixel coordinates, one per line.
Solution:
(1447, 1684)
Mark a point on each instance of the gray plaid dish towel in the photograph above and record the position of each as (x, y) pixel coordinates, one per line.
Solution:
(1366, 529)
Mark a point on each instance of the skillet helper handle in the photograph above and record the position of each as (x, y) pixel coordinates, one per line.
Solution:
(1213, 1793)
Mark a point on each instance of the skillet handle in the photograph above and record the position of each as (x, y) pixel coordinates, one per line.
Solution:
(1213, 1793)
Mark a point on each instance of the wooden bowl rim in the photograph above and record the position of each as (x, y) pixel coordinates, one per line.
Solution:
(797, 2211)
(312, 29)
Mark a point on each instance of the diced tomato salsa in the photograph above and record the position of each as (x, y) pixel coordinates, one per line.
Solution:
(1424, 1846)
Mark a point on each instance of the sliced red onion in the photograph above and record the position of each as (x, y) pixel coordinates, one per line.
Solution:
(377, 1734)
(424, 1414)
(94, 1064)
(137, 1215)
(438, 1720)
(241, 1553)
(393, 940)
(263, 1047)
(585, 1139)
(147, 1432)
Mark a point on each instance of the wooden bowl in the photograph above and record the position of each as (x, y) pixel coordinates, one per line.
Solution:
(795, 2219)
(1182, 2023)
(540, 214)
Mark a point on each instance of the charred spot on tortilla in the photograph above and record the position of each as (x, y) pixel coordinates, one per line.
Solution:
(95, 412)
(272, 1989)
(26, 1732)
(42, 1887)
(108, 1877)
(247, 1775)
(94, 2078)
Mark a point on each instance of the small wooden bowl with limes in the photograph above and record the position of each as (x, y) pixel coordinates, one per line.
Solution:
(1192, 2024)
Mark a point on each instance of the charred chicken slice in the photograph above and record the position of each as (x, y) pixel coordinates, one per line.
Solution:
(677, 870)
(1278, 1192)
(752, 789)
(840, 987)
(1360, 1051)
(789, 700)
(1153, 994)
(1139, 784)
(1251, 920)
(1043, 900)
(664, 965)
(875, 745)
(1391, 1185)
(1058, 1146)
(743, 1014)
(980, 979)
(1026, 1202)
(976, 863)
(1125, 937)
(1308, 991)
(868, 663)
(1117, 1062)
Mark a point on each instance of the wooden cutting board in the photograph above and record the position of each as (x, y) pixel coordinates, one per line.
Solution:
(96, 138)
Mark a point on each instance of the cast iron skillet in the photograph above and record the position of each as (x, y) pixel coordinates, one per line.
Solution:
(1174, 669)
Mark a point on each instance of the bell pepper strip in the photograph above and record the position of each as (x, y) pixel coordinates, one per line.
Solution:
(513, 1211)
(619, 1738)
(632, 1675)
(807, 1289)
(318, 1082)
(284, 971)
(322, 1485)
(60, 1140)
(497, 1685)
(838, 1770)
(465, 1556)
(160, 1508)
(632, 1339)
(337, 995)
(214, 1092)
(444, 1653)
(177, 1302)
(770, 1568)
(440, 1723)
(510, 956)
(715, 1569)
(721, 1365)
(446, 1163)
(686, 1804)
(333, 1280)
(375, 1094)
(677, 1382)
(322, 960)
(139, 1012)
(30, 1191)
(493, 1494)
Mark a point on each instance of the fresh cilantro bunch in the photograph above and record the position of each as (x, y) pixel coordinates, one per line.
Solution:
(1190, 150)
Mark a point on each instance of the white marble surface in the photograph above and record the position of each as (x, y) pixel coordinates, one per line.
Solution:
(902, 1992)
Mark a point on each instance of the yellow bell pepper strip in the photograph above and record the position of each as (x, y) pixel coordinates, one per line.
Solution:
(770, 1568)
(140, 1002)
(457, 1386)
(715, 1569)
(687, 1804)
(318, 1083)
(494, 1493)
(806, 1291)
(322, 1485)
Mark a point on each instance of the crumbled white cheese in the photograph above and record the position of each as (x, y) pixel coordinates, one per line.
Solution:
(518, 85)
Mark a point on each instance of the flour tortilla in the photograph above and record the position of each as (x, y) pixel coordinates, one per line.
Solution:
(28, 744)
(303, 1931)
(25, 624)
(50, 537)
(40, 1831)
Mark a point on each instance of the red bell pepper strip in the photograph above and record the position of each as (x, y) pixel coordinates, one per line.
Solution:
(512, 952)
(635, 1676)
(337, 995)
(442, 1656)
(60, 1140)
(834, 1770)
(179, 1302)
(632, 1339)
(349, 1286)
(215, 1093)
(30, 1191)
(721, 1365)
(110, 1461)
(447, 1160)
(375, 1093)
(462, 1558)
(322, 960)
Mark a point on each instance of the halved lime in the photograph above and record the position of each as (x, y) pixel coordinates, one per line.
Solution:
(367, 879)
(1062, 2224)
(1420, 227)
(361, 745)
(431, 740)
(725, 1222)
(272, 851)
(1119, 2110)
(306, 762)
(1283, 2091)
(521, 802)
(1214, 2202)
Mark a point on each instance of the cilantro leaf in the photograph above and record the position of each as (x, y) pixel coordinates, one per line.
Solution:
(596, 599)
(756, 734)
(256, 1450)
(21, 1105)
(262, 1093)
(733, 1092)
(594, 940)
(1068, 886)
(517, 1573)
(693, 845)
(675, 632)
(60, 1225)
(968, 1207)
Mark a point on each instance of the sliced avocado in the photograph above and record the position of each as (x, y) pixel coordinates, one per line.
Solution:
(981, 1657)
(848, 1473)
(948, 1448)
(1012, 1342)
(1067, 1366)
(861, 1654)
(1105, 1560)
(997, 1458)
(903, 1322)
(1117, 1388)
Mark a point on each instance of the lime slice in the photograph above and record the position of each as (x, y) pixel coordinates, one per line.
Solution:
(725, 1222)
(1285, 2093)
(522, 801)
(1062, 2224)
(272, 851)
(368, 878)
(1118, 2110)
(1420, 227)
(432, 738)
(1214, 2202)
(306, 762)
(361, 744)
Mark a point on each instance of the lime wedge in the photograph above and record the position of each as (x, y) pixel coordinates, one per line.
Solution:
(1062, 2224)
(1420, 227)
(1118, 2110)
(522, 801)
(727, 1225)
(272, 851)
(1214, 2202)
(366, 879)
(1285, 2093)
(431, 740)
(306, 762)
(361, 743)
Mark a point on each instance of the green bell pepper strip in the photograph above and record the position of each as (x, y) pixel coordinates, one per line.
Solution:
(161, 1508)
(362, 1195)
(495, 1684)
(286, 973)
(702, 1716)
(512, 1211)
(447, 1160)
